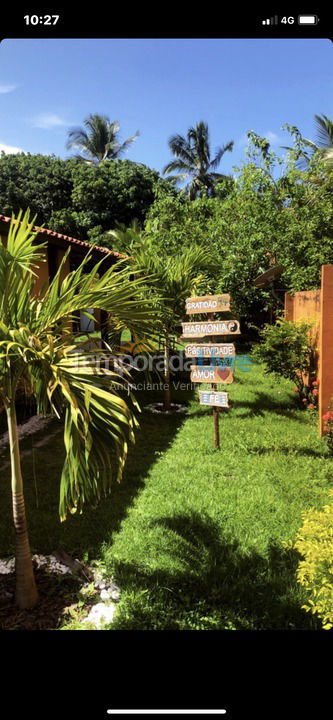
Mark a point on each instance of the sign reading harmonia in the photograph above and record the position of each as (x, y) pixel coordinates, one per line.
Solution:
(202, 329)
(207, 304)
(215, 399)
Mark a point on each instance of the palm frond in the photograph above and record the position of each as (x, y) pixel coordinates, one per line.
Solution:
(77, 138)
(324, 131)
(193, 159)
(99, 141)
(177, 165)
(219, 154)
(123, 146)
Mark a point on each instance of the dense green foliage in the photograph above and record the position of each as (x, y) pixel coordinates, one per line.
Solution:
(40, 182)
(270, 212)
(73, 198)
(315, 571)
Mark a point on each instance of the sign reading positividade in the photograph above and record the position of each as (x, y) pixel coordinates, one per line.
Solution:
(218, 327)
(207, 304)
(211, 374)
(210, 350)
(216, 399)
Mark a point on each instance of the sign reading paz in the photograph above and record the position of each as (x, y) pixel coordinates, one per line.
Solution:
(217, 399)
(202, 329)
(207, 304)
(211, 374)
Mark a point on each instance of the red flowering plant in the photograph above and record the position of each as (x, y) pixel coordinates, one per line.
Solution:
(308, 394)
(328, 427)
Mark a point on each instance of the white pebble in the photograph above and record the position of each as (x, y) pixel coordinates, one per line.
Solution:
(100, 612)
(7, 566)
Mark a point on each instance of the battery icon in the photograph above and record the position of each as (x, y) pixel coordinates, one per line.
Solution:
(307, 19)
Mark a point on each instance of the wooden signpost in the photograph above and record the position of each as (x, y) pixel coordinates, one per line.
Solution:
(211, 373)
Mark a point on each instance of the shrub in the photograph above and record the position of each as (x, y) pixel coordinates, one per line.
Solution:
(288, 351)
(315, 572)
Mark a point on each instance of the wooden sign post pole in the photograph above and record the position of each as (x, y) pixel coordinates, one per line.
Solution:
(216, 410)
(209, 328)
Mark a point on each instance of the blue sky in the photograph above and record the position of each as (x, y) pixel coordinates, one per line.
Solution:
(161, 87)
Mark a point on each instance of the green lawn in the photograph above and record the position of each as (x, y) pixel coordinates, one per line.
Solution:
(195, 535)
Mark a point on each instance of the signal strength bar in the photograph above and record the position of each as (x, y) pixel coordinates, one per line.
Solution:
(271, 21)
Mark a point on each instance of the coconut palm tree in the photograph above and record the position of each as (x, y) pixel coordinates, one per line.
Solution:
(39, 349)
(194, 161)
(99, 141)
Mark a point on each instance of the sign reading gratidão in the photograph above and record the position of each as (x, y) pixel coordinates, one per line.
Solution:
(207, 304)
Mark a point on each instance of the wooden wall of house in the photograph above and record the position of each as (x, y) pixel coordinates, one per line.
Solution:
(42, 272)
(317, 306)
(303, 306)
(326, 343)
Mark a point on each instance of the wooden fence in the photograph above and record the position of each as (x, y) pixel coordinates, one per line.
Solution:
(317, 306)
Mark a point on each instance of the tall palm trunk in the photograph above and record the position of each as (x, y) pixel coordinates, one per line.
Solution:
(167, 388)
(26, 594)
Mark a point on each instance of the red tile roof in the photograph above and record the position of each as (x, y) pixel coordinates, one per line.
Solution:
(74, 241)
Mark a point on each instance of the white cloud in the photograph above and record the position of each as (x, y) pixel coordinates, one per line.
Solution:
(47, 120)
(7, 88)
(10, 149)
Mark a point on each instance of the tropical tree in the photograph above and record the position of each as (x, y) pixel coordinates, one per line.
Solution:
(194, 161)
(39, 350)
(99, 141)
(77, 199)
(170, 280)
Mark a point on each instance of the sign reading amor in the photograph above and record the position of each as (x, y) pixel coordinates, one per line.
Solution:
(207, 304)
(218, 327)
(211, 374)
(217, 399)
(210, 350)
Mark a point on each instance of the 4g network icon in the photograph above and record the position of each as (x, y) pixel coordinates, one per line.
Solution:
(303, 20)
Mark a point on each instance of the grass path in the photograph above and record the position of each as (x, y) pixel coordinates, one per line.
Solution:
(195, 535)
